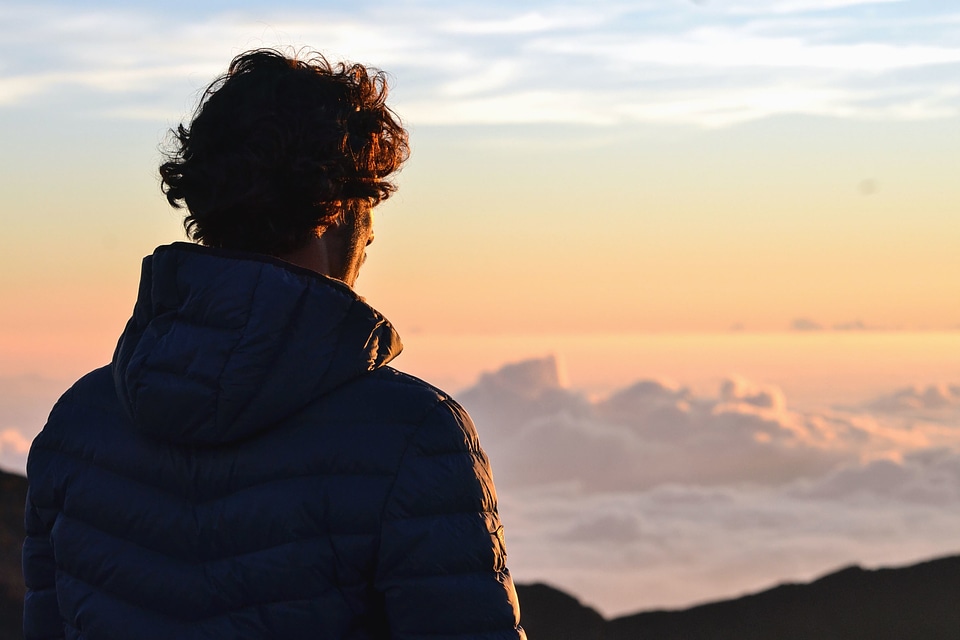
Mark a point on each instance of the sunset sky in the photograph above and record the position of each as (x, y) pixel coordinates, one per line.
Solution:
(577, 167)
(679, 188)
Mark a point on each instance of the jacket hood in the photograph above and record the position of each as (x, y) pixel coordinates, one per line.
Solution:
(225, 344)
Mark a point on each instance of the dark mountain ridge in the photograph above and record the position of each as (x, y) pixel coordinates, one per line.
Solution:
(13, 495)
(920, 602)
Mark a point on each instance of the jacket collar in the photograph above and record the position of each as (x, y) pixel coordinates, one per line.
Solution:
(224, 344)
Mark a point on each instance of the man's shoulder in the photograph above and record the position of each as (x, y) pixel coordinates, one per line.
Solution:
(402, 396)
(93, 394)
(396, 388)
(441, 415)
(94, 390)
(86, 416)
(412, 384)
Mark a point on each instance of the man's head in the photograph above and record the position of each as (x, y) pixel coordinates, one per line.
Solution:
(283, 151)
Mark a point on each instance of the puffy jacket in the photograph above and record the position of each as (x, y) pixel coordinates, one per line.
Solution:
(248, 467)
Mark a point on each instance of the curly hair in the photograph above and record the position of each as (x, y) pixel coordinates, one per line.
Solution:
(280, 147)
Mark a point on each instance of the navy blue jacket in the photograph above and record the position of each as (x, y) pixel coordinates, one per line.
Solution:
(248, 467)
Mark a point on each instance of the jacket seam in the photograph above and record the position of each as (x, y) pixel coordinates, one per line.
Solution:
(70, 453)
(452, 452)
(462, 512)
(403, 454)
(221, 614)
(472, 633)
(418, 382)
(242, 333)
(396, 473)
(205, 562)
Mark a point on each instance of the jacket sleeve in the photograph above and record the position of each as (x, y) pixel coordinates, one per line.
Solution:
(441, 566)
(41, 613)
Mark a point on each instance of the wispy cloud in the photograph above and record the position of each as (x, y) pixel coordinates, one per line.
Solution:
(713, 64)
(732, 49)
(529, 22)
(790, 6)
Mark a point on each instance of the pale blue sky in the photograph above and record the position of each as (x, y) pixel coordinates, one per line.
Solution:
(709, 63)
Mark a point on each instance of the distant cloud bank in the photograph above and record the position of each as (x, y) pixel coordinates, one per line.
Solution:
(659, 496)
(806, 324)
(654, 433)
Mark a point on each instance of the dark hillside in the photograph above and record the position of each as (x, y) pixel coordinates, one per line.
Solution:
(550, 614)
(13, 494)
(921, 602)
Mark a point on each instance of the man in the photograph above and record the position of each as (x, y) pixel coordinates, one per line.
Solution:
(248, 466)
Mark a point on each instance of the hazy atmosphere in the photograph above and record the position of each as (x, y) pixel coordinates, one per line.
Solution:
(692, 266)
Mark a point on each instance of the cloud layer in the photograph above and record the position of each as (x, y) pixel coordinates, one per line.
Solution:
(654, 433)
(706, 63)
(656, 496)
(659, 496)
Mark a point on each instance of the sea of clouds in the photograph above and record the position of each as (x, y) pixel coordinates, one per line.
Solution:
(656, 496)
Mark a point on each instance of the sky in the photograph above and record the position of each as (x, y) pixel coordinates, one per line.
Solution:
(576, 167)
(690, 194)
